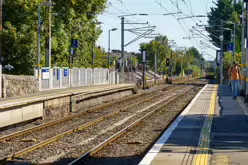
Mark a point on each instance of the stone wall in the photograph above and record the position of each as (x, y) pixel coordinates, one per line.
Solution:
(83, 102)
(13, 85)
(57, 108)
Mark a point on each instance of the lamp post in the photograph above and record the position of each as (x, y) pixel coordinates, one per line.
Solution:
(48, 3)
(114, 29)
(233, 36)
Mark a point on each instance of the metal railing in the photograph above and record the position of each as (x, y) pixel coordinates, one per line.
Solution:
(56, 78)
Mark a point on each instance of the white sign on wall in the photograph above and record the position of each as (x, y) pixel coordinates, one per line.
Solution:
(45, 74)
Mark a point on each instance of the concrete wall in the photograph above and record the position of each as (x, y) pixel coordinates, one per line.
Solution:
(13, 85)
(61, 106)
(20, 114)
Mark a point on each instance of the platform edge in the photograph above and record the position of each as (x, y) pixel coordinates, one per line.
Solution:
(152, 153)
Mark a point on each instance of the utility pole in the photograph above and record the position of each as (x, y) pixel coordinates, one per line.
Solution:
(144, 55)
(109, 49)
(1, 29)
(221, 52)
(188, 68)
(246, 93)
(155, 67)
(234, 40)
(181, 67)
(122, 50)
(171, 65)
(243, 85)
(50, 34)
(38, 60)
(93, 55)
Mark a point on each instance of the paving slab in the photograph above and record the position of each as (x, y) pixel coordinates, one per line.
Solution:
(178, 145)
(229, 136)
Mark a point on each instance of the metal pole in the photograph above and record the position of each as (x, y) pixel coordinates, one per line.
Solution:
(221, 53)
(1, 29)
(246, 94)
(38, 62)
(234, 40)
(188, 69)
(143, 75)
(243, 53)
(93, 55)
(122, 50)
(181, 67)
(155, 67)
(50, 34)
(109, 49)
(92, 65)
(131, 63)
(171, 65)
(70, 54)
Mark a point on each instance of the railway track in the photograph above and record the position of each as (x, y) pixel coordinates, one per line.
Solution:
(129, 128)
(30, 144)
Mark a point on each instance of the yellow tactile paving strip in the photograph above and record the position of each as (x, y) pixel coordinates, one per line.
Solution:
(202, 155)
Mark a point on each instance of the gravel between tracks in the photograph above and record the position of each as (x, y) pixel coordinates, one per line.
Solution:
(130, 148)
(15, 145)
(20, 127)
(69, 144)
(93, 135)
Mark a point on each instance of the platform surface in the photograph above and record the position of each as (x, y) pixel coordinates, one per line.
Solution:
(50, 94)
(212, 130)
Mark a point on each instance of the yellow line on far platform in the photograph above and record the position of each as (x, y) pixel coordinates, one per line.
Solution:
(202, 155)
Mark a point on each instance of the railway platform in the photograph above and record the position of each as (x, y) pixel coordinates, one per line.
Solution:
(59, 103)
(212, 130)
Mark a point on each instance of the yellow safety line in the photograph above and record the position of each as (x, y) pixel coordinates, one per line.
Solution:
(202, 154)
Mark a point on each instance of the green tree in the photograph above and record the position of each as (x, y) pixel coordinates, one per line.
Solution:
(160, 47)
(75, 19)
(228, 12)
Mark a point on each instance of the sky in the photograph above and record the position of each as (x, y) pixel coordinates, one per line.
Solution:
(165, 25)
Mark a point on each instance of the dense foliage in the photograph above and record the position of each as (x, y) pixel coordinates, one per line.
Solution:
(188, 57)
(75, 19)
(229, 12)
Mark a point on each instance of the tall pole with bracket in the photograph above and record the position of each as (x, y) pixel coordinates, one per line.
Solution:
(122, 61)
(246, 93)
(221, 52)
(243, 84)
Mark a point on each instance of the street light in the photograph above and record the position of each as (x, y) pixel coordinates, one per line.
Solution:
(47, 3)
(114, 29)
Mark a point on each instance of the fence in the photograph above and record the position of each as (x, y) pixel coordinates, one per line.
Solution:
(56, 78)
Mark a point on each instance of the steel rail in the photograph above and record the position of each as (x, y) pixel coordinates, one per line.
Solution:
(125, 130)
(58, 121)
(59, 136)
(52, 123)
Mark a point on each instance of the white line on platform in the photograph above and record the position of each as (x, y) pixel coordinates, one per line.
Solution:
(158, 145)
